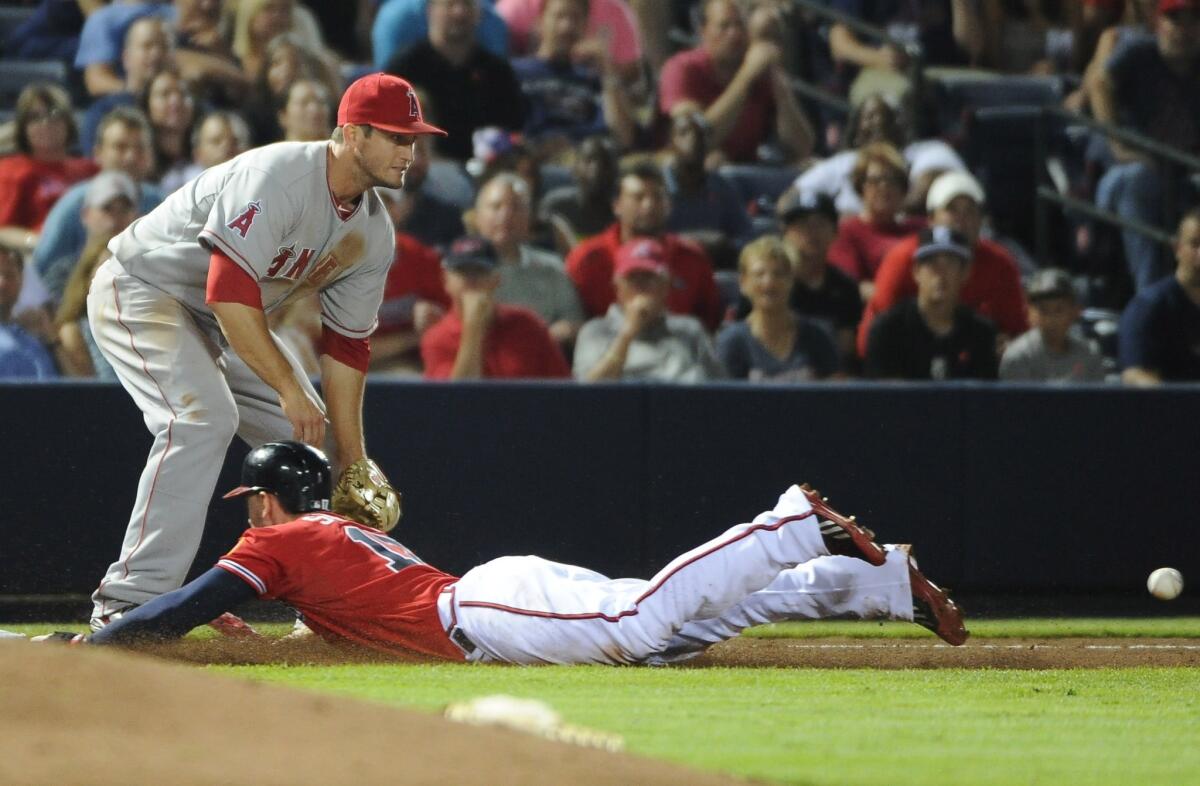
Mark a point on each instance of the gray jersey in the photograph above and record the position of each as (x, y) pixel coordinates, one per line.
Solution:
(1027, 359)
(271, 211)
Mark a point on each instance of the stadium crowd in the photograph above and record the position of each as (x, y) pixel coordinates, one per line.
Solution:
(668, 190)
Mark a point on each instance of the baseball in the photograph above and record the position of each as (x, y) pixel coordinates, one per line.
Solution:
(1165, 583)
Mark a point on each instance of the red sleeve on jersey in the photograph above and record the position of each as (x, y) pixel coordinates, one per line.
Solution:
(257, 559)
(229, 283)
(353, 352)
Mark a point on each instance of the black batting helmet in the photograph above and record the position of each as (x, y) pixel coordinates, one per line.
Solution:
(296, 473)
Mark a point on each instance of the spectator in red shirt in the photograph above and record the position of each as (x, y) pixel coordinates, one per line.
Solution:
(993, 285)
(880, 178)
(33, 179)
(642, 207)
(741, 85)
(413, 296)
(480, 338)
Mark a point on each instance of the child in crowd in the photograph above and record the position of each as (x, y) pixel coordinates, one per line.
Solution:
(1050, 351)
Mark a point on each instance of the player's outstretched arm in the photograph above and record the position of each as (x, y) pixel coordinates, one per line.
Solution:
(343, 386)
(172, 615)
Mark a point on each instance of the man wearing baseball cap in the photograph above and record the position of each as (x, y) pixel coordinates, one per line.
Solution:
(637, 339)
(1152, 86)
(993, 283)
(933, 336)
(808, 225)
(180, 310)
(480, 338)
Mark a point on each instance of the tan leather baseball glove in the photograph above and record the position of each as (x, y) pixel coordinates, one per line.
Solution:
(364, 494)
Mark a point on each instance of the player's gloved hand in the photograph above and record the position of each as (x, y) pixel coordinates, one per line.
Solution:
(364, 494)
(60, 637)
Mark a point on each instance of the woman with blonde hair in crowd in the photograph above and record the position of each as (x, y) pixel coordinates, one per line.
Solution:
(773, 343)
(287, 60)
(306, 114)
(257, 22)
(33, 178)
(880, 178)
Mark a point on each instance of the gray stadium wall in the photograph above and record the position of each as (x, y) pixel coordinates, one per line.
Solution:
(1003, 489)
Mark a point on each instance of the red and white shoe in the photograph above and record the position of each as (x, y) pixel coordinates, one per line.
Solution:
(234, 627)
(933, 608)
(843, 535)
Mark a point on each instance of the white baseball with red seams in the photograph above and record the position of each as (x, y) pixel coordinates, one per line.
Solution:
(271, 211)
(776, 568)
(1165, 583)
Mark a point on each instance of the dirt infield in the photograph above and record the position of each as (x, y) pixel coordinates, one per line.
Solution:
(1090, 653)
(827, 653)
(80, 716)
(73, 716)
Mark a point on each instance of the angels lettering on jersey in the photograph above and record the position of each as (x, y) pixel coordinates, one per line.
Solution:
(280, 267)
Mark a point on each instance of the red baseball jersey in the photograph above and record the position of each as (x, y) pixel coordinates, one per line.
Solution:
(349, 581)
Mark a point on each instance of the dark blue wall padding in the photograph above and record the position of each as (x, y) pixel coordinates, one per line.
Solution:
(1001, 488)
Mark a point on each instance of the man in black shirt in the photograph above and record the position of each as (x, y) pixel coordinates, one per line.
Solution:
(1160, 329)
(934, 336)
(468, 87)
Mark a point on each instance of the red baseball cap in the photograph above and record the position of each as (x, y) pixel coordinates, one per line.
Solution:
(386, 102)
(641, 254)
(1167, 6)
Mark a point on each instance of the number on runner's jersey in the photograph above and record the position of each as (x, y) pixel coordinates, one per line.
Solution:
(395, 555)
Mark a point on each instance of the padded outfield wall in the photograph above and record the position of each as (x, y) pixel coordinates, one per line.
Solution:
(1002, 488)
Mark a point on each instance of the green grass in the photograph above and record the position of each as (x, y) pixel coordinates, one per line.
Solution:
(809, 726)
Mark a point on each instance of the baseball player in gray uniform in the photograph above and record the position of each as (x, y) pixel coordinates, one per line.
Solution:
(180, 310)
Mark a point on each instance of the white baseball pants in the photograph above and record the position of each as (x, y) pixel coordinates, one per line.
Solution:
(195, 394)
(531, 610)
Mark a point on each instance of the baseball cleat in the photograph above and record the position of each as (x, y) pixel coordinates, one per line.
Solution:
(843, 535)
(234, 627)
(933, 608)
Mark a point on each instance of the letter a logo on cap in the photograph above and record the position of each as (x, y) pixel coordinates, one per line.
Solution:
(414, 109)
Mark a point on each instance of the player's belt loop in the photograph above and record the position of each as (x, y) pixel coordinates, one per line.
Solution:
(456, 634)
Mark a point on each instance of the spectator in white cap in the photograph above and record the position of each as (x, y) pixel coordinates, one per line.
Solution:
(993, 281)
(110, 204)
(933, 336)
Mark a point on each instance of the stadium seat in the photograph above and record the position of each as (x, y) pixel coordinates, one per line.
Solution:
(11, 16)
(754, 181)
(1100, 327)
(1000, 148)
(555, 176)
(727, 286)
(16, 74)
(956, 95)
